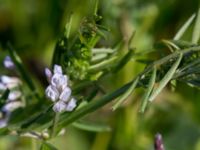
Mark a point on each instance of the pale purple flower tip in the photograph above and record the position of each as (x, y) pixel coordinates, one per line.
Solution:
(8, 63)
(59, 106)
(9, 107)
(64, 96)
(3, 123)
(52, 93)
(71, 105)
(58, 81)
(57, 69)
(158, 143)
(48, 74)
(14, 95)
(10, 82)
(2, 87)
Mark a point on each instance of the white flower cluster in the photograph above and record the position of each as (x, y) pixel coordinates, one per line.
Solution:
(58, 91)
(12, 102)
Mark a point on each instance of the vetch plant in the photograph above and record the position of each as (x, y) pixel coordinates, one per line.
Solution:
(80, 59)
(59, 91)
(10, 94)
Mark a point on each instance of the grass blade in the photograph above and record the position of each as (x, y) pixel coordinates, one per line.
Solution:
(68, 118)
(148, 92)
(182, 30)
(166, 79)
(196, 31)
(23, 73)
(126, 94)
(93, 127)
(47, 146)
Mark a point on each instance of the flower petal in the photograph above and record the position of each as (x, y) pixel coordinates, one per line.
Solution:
(14, 95)
(59, 107)
(57, 69)
(58, 81)
(48, 74)
(71, 104)
(52, 93)
(64, 96)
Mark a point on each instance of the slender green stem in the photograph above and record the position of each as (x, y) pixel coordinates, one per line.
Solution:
(33, 144)
(55, 120)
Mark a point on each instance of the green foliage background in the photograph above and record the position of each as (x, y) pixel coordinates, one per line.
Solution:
(33, 26)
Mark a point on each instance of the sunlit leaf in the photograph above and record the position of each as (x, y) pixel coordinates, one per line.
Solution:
(166, 78)
(183, 29)
(148, 92)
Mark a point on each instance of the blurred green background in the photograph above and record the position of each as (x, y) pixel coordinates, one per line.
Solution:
(33, 26)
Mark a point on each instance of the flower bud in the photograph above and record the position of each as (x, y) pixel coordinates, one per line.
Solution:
(59, 80)
(48, 74)
(14, 95)
(10, 82)
(71, 104)
(2, 87)
(11, 106)
(64, 96)
(8, 63)
(52, 93)
(3, 123)
(59, 106)
(57, 69)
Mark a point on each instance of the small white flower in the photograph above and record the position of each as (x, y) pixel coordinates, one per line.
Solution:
(48, 74)
(71, 104)
(59, 106)
(3, 123)
(57, 69)
(2, 87)
(52, 93)
(14, 95)
(64, 96)
(10, 82)
(59, 81)
(8, 63)
(10, 106)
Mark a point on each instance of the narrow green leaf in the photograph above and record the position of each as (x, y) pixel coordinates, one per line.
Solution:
(166, 78)
(126, 94)
(182, 30)
(170, 44)
(68, 26)
(124, 60)
(102, 50)
(90, 126)
(23, 72)
(68, 118)
(47, 146)
(148, 92)
(196, 31)
(103, 64)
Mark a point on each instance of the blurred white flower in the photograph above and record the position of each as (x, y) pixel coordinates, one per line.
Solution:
(3, 123)
(11, 106)
(8, 63)
(14, 95)
(52, 93)
(10, 82)
(2, 87)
